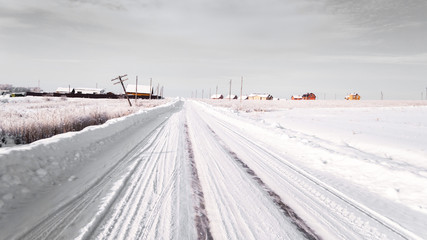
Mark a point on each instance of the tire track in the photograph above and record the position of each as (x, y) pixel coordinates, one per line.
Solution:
(301, 178)
(285, 209)
(201, 217)
(52, 226)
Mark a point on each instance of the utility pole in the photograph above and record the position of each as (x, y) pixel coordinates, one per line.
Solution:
(216, 93)
(151, 81)
(210, 93)
(161, 93)
(136, 89)
(382, 95)
(196, 93)
(229, 92)
(121, 80)
(158, 84)
(203, 92)
(241, 90)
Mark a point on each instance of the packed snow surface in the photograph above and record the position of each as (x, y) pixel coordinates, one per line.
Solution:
(226, 170)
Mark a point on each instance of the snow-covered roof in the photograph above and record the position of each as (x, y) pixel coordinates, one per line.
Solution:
(231, 97)
(217, 96)
(63, 90)
(259, 94)
(131, 88)
(89, 90)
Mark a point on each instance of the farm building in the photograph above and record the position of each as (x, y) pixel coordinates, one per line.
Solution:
(296, 97)
(217, 96)
(260, 96)
(243, 98)
(352, 96)
(309, 96)
(4, 92)
(140, 90)
(231, 97)
(88, 91)
(63, 90)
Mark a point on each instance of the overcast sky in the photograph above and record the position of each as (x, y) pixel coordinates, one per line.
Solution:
(283, 47)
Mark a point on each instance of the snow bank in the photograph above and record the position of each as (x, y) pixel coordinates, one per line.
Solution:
(23, 169)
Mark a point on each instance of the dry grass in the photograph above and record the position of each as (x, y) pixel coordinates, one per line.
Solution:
(25, 120)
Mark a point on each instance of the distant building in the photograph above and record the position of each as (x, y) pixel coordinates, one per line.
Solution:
(4, 92)
(296, 97)
(140, 90)
(309, 96)
(63, 90)
(231, 97)
(260, 96)
(88, 91)
(243, 98)
(217, 96)
(352, 96)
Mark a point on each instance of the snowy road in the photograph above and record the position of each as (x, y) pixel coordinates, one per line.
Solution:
(187, 172)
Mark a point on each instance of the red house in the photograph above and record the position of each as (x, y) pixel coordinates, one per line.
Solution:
(309, 96)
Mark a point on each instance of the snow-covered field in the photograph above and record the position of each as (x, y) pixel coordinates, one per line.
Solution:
(26, 119)
(226, 170)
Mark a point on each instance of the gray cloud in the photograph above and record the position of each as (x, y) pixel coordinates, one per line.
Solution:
(291, 45)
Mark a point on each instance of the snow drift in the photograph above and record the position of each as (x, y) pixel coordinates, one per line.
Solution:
(23, 169)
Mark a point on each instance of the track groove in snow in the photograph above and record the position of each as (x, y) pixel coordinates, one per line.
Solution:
(285, 209)
(201, 217)
(53, 226)
(149, 205)
(237, 206)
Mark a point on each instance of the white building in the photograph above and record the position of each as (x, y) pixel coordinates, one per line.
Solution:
(88, 91)
(140, 90)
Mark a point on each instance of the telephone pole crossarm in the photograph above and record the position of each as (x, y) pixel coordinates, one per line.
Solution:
(121, 80)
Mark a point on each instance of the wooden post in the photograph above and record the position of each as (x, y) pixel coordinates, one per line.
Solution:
(241, 90)
(229, 92)
(151, 80)
(161, 93)
(136, 89)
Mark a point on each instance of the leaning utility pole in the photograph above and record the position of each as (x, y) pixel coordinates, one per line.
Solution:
(121, 80)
